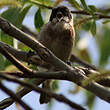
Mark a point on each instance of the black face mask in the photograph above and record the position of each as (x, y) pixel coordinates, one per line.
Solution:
(59, 12)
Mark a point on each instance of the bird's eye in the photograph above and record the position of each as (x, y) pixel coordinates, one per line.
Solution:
(59, 15)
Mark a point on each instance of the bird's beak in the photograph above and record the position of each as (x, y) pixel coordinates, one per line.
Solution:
(66, 19)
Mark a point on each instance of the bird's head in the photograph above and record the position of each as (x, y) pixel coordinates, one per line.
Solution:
(61, 14)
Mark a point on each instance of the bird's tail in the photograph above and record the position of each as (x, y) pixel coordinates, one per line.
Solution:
(44, 98)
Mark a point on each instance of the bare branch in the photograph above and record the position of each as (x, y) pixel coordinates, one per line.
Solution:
(82, 12)
(17, 63)
(83, 63)
(21, 55)
(28, 31)
(60, 98)
(59, 75)
(15, 97)
(8, 101)
(76, 75)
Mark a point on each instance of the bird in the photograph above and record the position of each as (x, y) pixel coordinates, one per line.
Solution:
(58, 35)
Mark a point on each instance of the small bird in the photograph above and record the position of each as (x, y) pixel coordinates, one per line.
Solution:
(58, 35)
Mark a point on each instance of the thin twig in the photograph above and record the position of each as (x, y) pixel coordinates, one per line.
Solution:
(48, 56)
(14, 97)
(74, 58)
(82, 12)
(39, 4)
(20, 94)
(60, 98)
(23, 56)
(59, 75)
(17, 63)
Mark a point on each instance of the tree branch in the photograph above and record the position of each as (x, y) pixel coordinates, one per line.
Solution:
(8, 101)
(60, 97)
(59, 75)
(14, 97)
(74, 74)
(17, 63)
(23, 56)
(28, 31)
(42, 51)
(82, 12)
(81, 62)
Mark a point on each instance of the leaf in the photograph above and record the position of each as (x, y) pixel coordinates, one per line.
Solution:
(11, 68)
(23, 47)
(22, 15)
(7, 63)
(87, 26)
(38, 21)
(55, 86)
(41, 2)
(84, 4)
(90, 99)
(1, 62)
(93, 8)
(89, 10)
(11, 14)
(75, 4)
(5, 38)
(104, 46)
(16, 17)
(106, 21)
(93, 28)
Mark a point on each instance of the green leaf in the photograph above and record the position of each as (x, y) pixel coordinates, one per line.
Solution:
(89, 10)
(7, 63)
(23, 47)
(75, 4)
(93, 8)
(93, 28)
(38, 21)
(22, 15)
(11, 14)
(106, 21)
(41, 2)
(5, 38)
(90, 99)
(84, 4)
(87, 26)
(104, 46)
(1, 62)
(16, 15)
(55, 86)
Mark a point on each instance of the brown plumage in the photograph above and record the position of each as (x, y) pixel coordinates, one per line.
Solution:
(57, 35)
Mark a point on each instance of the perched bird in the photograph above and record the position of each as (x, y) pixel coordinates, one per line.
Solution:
(58, 35)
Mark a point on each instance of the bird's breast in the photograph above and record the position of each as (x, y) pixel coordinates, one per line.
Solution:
(59, 39)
